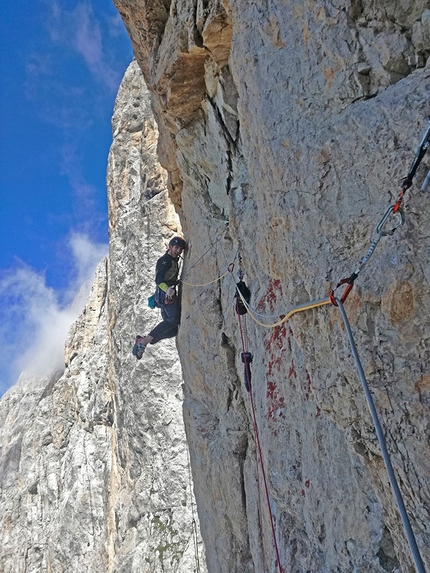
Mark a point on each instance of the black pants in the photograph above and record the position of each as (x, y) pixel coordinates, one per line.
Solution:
(171, 314)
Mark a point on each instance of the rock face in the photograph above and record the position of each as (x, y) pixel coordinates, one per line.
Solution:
(156, 521)
(296, 123)
(94, 470)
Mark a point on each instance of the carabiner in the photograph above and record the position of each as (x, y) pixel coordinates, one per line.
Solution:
(386, 216)
(350, 282)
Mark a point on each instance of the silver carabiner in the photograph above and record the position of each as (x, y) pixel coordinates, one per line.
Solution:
(400, 221)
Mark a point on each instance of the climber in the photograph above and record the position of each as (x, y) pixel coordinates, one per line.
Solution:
(166, 279)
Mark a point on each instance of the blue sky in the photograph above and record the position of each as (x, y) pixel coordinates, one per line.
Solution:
(61, 62)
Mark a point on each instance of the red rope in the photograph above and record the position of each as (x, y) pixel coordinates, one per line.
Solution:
(257, 440)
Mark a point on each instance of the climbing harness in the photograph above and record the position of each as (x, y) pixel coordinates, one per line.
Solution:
(397, 494)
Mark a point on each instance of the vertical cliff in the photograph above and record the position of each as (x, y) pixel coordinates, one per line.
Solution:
(94, 470)
(296, 123)
(153, 517)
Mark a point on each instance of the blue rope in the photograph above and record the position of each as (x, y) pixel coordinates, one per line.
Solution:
(399, 499)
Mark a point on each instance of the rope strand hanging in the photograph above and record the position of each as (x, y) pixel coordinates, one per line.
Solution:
(382, 444)
(257, 441)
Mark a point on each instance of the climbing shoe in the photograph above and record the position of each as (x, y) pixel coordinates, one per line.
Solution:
(139, 347)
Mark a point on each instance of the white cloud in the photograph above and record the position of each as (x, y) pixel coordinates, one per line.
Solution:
(38, 66)
(115, 25)
(87, 39)
(79, 30)
(87, 255)
(79, 39)
(34, 323)
(71, 167)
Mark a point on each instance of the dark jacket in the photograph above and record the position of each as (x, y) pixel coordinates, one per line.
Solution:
(166, 272)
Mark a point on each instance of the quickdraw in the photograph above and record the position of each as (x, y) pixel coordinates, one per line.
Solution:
(380, 232)
(392, 211)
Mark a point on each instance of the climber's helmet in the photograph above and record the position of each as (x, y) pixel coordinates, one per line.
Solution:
(176, 246)
(178, 241)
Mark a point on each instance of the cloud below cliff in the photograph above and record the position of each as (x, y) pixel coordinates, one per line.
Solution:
(35, 318)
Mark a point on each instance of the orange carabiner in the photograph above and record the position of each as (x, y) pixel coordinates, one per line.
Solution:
(348, 289)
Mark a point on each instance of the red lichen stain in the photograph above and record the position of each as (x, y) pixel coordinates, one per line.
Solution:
(271, 389)
(292, 371)
(274, 364)
(307, 484)
(318, 414)
(275, 347)
(276, 338)
(273, 291)
(308, 385)
(277, 402)
(290, 336)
